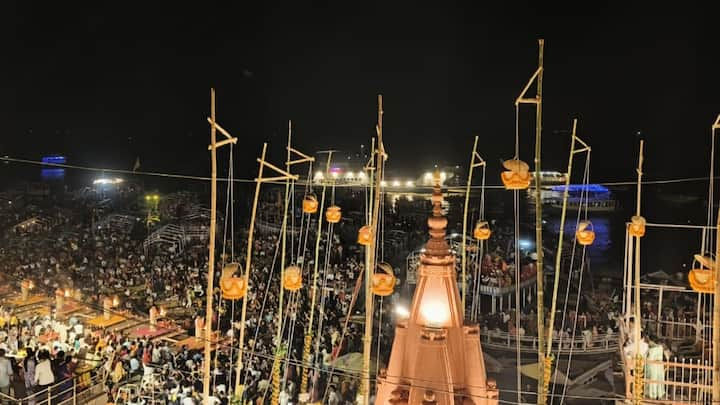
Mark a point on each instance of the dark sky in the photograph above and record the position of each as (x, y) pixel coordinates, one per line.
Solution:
(106, 82)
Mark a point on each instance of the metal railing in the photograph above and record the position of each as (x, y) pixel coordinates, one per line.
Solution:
(80, 389)
(686, 380)
(676, 330)
(529, 344)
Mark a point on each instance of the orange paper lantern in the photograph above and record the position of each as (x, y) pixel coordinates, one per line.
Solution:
(365, 235)
(232, 287)
(702, 275)
(516, 176)
(383, 282)
(333, 214)
(585, 233)
(292, 280)
(310, 204)
(482, 230)
(637, 226)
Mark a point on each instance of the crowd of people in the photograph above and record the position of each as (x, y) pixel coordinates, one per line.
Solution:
(102, 261)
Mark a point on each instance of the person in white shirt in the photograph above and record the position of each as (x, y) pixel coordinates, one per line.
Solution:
(6, 373)
(43, 371)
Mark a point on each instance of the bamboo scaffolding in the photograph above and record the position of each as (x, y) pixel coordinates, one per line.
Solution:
(371, 257)
(480, 162)
(537, 101)
(214, 144)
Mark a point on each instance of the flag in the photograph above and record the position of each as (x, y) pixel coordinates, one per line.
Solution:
(137, 164)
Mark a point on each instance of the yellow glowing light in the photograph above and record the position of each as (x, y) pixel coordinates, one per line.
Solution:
(349, 175)
(319, 175)
(383, 183)
(435, 312)
(402, 312)
(334, 175)
(409, 184)
(361, 175)
(396, 183)
(428, 176)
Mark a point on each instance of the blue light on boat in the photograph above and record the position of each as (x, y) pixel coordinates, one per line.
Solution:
(579, 188)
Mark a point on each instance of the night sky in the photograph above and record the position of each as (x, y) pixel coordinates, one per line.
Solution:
(107, 82)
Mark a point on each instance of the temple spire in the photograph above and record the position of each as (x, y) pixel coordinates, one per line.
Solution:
(437, 223)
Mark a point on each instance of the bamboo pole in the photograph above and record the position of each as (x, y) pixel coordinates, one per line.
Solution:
(313, 286)
(248, 258)
(637, 387)
(463, 263)
(211, 254)
(370, 257)
(558, 256)
(716, 320)
(278, 349)
(711, 187)
(538, 224)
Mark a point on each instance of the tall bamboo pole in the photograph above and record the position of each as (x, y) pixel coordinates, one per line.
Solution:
(716, 321)
(558, 256)
(716, 297)
(711, 185)
(538, 225)
(637, 389)
(211, 254)
(464, 234)
(371, 257)
(278, 349)
(313, 286)
(248, 258)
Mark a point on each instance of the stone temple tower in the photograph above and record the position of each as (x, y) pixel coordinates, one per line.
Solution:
(436, 357)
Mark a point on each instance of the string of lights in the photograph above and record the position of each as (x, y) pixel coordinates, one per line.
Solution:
(9, 159)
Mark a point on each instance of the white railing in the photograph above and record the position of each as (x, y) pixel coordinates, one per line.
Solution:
(506, 341)
(84, 388)
(676, 330)
(171, 234)
(686, 381)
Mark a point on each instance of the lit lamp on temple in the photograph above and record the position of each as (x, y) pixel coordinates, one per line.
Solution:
(107, 308)
(153, 317)
(25, 288)
(59, 300)
(163, 312)
(434, 313)
(199, 327)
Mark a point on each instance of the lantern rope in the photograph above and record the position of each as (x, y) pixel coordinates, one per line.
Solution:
(223, 257)
(582, 213)
(353, 300)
